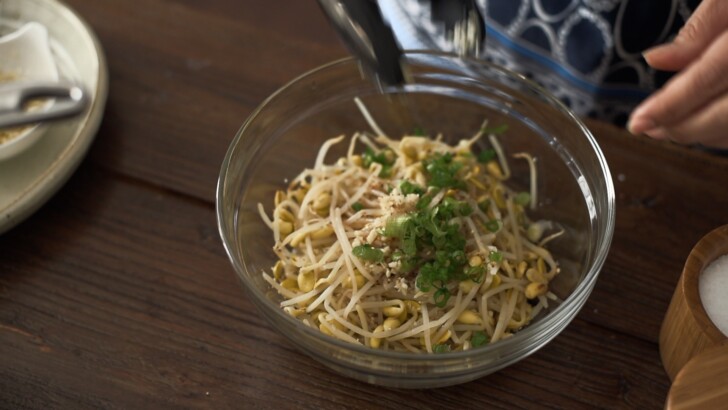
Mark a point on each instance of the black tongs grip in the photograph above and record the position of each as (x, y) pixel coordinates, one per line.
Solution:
(361, 25)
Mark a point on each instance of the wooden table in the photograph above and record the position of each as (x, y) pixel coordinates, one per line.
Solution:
(118, 293)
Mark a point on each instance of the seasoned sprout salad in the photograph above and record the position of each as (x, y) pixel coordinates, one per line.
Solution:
(411, 244)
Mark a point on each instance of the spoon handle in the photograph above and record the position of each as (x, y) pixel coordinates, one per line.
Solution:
(70, 100)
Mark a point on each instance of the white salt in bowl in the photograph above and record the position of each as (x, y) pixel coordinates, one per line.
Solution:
(26, 57)
(713, 290)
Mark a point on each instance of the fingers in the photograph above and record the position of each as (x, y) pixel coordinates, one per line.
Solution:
(702, 82)
(706, 23)
(709, 126)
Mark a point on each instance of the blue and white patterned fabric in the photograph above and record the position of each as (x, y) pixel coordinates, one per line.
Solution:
(586, 52)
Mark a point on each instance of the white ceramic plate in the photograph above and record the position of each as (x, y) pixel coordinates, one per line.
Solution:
(28, 180)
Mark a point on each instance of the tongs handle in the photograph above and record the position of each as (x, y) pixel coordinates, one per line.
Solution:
(70, 100)
(361, 25)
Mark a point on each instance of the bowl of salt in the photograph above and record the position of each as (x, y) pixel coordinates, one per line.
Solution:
(697, 318)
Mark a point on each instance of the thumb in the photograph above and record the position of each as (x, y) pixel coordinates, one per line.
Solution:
(706, 23)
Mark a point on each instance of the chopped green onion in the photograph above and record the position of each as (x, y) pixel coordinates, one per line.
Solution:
(486, 156)
(385, 157)
(478, 339)
(484, 205)
(357, 206)
(396, 227)
(492, 225)
(500, 129)
(442, 171)
(441, 297)
(424, 202)
(495, 256)
(418, 132)
(441, 348)
(475, 273)
(407, 188)
(368, 253)
(406, 264)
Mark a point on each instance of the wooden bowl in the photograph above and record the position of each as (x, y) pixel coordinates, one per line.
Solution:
(701, 384)
(687, 330)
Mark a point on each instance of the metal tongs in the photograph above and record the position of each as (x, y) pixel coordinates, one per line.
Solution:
(69, 100)
(362, 27)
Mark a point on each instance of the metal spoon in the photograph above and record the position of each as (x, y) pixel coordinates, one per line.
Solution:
(70, 100)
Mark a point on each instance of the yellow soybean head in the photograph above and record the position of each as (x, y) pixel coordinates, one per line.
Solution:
(278, 270)
(323, 232)
(285, 228)
(475, 260)
(295, 312)
(476, 183)
(358, 277)
(394, 311)
(286, 215)
(469, 317)
(494, 169)
(306, 281)
(321, 283)
(498, 197)
(303, 303)
(298, 238)
(290, 284)
(535, 289)
(467, 285)
(375, 342)
(325, 330)
(357, 160)
(497, 280)
(391, 323)
(280, 197)
(534, 275)
(412, 307)
(402, 316)
(298, 194)
(517, 321)
(445, 337)
(534, 232)
(521, 269)
(322, 203)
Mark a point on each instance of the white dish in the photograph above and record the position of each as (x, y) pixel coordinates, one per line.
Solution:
(26, 56)
(29, 179)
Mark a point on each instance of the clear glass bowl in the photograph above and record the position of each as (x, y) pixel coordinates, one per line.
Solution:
(447, 95)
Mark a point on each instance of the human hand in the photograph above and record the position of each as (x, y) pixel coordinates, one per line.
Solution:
(693, 106)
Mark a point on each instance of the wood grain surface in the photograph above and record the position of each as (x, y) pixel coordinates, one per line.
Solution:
(118, 293)
(701, 384)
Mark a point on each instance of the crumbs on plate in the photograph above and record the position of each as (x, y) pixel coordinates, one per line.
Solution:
(7, 134)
